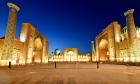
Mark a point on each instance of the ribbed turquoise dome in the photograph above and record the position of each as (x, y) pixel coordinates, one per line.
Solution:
(57, 51)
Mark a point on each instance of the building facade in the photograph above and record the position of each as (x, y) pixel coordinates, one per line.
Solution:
(118, 45)
(31, 47)
(70, 55)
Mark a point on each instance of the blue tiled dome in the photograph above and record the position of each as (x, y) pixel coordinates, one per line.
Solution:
(57, 51)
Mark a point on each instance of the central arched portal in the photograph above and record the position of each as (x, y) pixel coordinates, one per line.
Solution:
(103, 50)
(70, 56)
(37, 51)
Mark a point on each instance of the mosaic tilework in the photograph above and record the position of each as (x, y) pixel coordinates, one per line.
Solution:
(10, 35)
(131, 33)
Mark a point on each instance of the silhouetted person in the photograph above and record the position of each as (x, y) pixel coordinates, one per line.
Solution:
(10, 64)
(33, 60)
(55, 64)
(98, 64)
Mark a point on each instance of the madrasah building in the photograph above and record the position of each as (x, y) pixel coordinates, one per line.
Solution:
(118, 45)
(70, 55)
(31, 47)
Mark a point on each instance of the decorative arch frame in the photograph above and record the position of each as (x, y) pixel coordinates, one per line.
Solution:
(28, 35)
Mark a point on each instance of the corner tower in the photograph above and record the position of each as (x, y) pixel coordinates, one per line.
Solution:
(10, 32)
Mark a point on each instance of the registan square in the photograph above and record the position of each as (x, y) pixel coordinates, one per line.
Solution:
(114, 57)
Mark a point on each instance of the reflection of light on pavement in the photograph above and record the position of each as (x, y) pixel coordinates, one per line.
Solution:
(30, 72)
(129, 73)
(4, 78)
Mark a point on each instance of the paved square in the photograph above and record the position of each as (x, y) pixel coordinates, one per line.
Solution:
(70, 73)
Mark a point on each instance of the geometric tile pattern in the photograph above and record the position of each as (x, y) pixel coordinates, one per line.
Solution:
(131, 33)
(23, 33)
(10, 35)
(38, 35)
(111, 40)
(1, 44)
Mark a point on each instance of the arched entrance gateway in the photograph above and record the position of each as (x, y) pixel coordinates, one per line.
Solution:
(70, 56)
(36, 46)
(37, 51)
(107, 43)
(103, 50)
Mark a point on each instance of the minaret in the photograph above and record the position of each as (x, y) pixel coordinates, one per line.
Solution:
(131, 31)
(93, 51)
(10, 32)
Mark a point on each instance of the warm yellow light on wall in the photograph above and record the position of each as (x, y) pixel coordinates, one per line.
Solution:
(6, 62)
(122, 37)
(121, 59)
(112, 59)
(37, 60)
(126, 59)
(70, 52)
(132, 59)
(29, 60)
(22, 39)
(138, 34)
(107, 53)
(117, 38)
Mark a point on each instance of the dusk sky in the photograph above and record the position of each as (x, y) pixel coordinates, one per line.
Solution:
(69, 23)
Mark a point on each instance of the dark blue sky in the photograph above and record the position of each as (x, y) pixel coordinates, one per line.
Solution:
(69, 23)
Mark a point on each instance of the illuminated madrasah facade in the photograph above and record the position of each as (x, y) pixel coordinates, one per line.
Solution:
(31, 47)
(70, 55)
(116, 44)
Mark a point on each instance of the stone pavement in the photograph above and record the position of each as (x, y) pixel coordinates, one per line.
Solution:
(70, 73)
